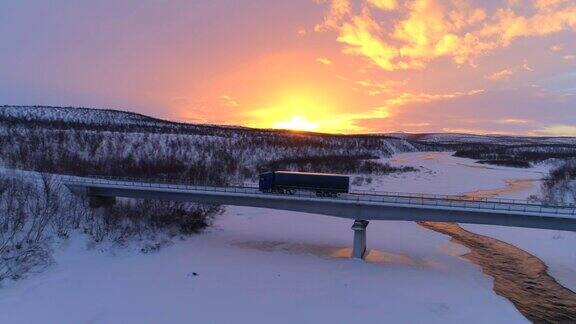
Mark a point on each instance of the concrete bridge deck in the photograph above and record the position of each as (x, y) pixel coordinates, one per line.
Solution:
(359, 206)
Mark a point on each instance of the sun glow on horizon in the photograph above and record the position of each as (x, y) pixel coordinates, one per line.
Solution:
(300, 109)
(296, 123)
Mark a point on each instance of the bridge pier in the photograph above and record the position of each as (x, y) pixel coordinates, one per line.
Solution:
(359, 248)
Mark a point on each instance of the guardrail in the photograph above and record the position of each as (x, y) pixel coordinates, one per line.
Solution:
(448, 201)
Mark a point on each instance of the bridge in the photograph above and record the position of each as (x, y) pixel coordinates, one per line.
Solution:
(361, 207)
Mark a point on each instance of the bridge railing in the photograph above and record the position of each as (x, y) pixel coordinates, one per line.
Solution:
(355, 192)
(453, 201)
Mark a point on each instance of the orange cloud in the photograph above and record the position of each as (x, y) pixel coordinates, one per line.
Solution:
(384, 4)
(514, 121)
(501, 75)
(556, 48)
(376, 88)
(360, 36)
(229, 101)
(478, 131)
(527, 67)
(505, 74)
(386, 114)
(409, 98)
(338, 10)
(323, 60)
(423, 30)
(548, 4)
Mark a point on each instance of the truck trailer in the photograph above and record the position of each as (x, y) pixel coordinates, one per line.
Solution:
(287, 182)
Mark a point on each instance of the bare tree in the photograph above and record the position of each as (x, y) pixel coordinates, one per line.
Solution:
(25, 213)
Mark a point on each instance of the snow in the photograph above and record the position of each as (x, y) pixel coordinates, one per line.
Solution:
(445, 174)
(441, 173)
(261, 266)
(257, 265)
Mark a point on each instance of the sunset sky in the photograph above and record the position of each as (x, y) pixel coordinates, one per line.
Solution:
(497, 66)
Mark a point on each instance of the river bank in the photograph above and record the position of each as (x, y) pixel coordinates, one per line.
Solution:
(518, 275)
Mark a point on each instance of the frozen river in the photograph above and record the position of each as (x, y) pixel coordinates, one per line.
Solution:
(443, 173)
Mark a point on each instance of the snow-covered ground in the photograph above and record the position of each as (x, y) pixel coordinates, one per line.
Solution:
(256, 265)
(441, 173)
(445, 174)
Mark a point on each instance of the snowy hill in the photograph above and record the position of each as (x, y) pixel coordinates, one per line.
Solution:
(454, 138)
(72, 115)
(86, 141)
(101, 119)
(109, 118)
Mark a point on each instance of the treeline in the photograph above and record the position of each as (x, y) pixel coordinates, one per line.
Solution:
(515, 155)
(192, 158)
(344, 164)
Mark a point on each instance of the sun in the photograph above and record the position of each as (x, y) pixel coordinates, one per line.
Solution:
(297, 123)
(298, 109)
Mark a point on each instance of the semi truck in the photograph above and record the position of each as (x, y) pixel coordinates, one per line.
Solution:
(287, 182)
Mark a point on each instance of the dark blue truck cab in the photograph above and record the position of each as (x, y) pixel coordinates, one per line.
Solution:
(289, 182)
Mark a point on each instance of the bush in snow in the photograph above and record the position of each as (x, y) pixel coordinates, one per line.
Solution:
(36, 211)
(147, 220)
(29, 211)
(514, 155)
(560, 185)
